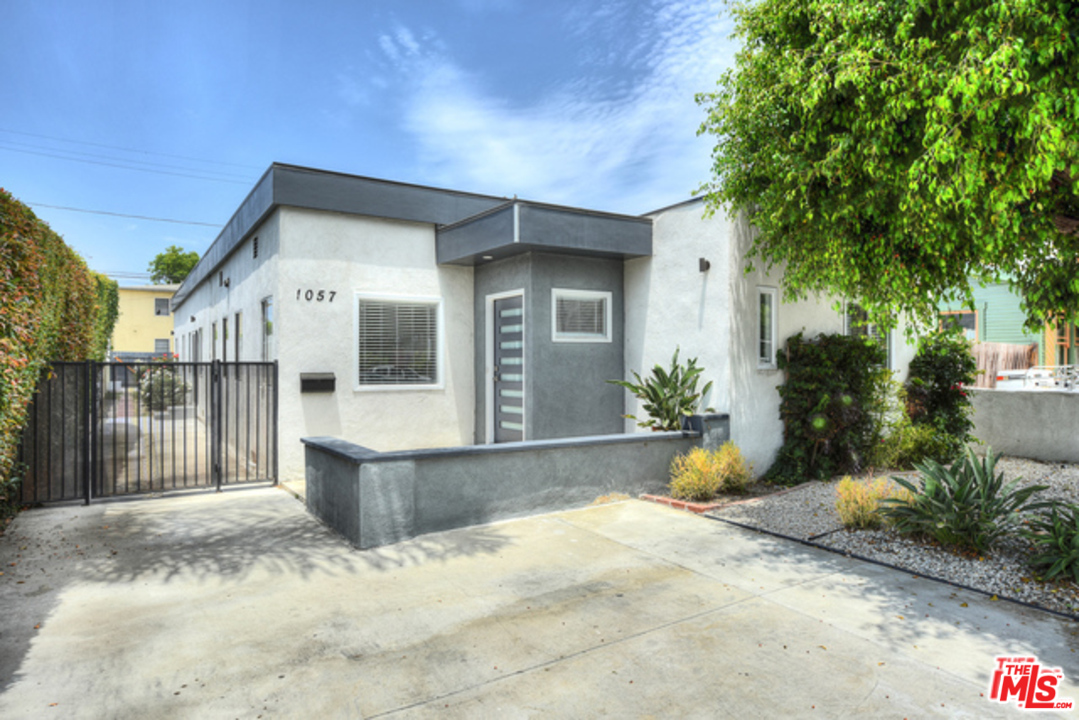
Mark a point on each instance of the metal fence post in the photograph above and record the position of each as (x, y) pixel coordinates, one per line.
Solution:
(276, 441)
(88, 434)
(215, 421)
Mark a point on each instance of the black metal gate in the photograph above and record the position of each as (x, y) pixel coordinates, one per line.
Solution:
(106, 429)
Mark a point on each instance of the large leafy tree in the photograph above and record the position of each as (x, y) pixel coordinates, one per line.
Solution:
(172, 265)
(896, 151)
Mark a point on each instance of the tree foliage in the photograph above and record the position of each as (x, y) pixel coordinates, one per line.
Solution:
(108, 311)
(896, 152)
(172, 265)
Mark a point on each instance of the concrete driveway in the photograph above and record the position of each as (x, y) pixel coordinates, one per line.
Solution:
(238, 604)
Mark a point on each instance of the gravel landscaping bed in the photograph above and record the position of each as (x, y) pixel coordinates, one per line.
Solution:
(807, 512)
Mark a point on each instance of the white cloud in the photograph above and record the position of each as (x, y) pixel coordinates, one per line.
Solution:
(629, 147)
(621, 137)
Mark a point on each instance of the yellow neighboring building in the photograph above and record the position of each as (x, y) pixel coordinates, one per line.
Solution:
(144, 328)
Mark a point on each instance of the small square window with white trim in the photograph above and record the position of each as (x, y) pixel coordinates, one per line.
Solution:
(580, 315)
(767, 310)
(398, 342)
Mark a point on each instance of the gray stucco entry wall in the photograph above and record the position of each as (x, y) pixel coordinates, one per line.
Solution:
(375, 499)
(566, 393)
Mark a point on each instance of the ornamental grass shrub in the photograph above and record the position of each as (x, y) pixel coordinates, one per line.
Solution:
(859, 502)
(700, 474)
(694, 476)
(735, 473)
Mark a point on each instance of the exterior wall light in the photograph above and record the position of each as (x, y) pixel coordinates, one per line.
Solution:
(705, 265)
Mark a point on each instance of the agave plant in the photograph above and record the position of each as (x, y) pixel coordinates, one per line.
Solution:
(1057, 537)
(966, 506)
(668, 394)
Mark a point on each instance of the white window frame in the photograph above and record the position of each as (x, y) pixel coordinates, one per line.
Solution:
(873, 330)
(440, 330)
(168, 309)
(572, 294)
(168, 346)
(767, 363)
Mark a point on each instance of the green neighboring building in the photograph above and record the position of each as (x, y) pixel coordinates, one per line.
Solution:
(997, 318)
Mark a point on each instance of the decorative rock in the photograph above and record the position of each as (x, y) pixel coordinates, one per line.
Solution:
(808, 513)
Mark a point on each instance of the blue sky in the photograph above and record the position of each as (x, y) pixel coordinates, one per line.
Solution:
(174, 110)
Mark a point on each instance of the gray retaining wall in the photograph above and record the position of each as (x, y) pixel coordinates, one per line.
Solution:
(377, 498)
(1035, 424)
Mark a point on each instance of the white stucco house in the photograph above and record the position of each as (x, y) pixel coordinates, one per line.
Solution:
(405, 317)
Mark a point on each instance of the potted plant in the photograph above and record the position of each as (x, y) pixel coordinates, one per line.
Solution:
(668, 395)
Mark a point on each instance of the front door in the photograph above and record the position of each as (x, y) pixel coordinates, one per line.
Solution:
(508, 388)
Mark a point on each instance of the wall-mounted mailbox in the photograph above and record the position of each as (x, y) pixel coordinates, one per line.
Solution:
(317, 382)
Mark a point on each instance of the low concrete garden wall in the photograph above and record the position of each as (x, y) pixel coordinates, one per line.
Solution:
(1036, 424)
(377, 498)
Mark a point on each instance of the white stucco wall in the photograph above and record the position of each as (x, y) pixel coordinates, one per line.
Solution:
(670, 303)
(348, 255)
(755, 423)
(713, 316)
(250, 280)
(301, 250)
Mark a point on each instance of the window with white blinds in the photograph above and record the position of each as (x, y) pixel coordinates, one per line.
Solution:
(858, 325)
(398, 342)
(580, 315)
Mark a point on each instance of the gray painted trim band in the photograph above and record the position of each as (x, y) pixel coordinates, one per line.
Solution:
(359, 454)
(308, 188)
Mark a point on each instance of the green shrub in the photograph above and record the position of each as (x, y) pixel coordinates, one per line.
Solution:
(906, 445)
(1057, 536)
(700, 474)
(936, 392)
(161, 389)
(9, 496)
(831, 404)
(667, 394)
(966, 506)
(49, 310)
(859, 502)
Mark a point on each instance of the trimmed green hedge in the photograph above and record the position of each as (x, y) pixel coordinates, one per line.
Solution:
(831, 401)
(52, 307)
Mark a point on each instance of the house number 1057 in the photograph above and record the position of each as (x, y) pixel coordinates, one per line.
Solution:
(316, 295)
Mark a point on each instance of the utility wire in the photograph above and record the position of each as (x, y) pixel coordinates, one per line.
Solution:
(9, 143)
(124, 215)
(115, 147)
(125, 167)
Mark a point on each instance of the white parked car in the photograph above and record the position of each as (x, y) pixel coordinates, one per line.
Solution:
(1060, 377)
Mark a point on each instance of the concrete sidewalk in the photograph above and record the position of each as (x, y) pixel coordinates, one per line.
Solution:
(238, 604)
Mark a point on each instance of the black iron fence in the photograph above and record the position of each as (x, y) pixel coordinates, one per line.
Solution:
(106, 429)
